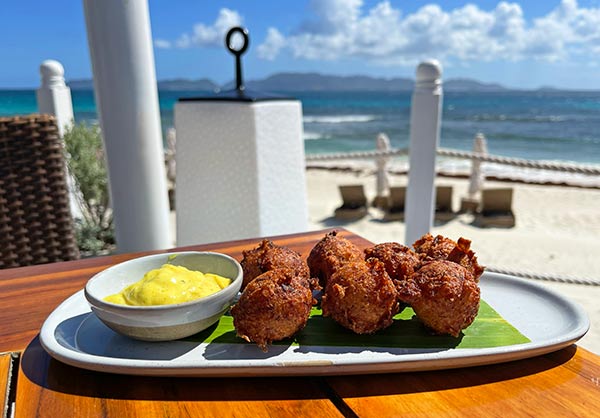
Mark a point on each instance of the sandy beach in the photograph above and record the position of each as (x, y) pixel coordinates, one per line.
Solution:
(557, 231)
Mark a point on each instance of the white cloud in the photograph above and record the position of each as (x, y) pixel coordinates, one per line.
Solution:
(270, 48)
(344, 29)
(161, 43)
(205, 35)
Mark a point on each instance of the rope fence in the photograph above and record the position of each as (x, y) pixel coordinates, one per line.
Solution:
(446, 152)
(545, 277)
(520, 162)
(356, 155)
(484, 157)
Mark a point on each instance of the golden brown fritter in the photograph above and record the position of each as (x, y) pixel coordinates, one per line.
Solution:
(443, 295)
(361, 296)
(463, 255)
(399, 260)
(268, 256)
(273, 306)
(442, 248)
(329, 254)
(433, 248)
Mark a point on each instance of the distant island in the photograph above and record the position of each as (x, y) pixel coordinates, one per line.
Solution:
(315, 82)
(178, 84)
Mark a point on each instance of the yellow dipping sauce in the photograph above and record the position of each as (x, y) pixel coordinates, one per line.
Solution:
(169, 285)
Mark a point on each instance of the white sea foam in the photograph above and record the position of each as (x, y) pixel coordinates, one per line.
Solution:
(312, 136)
(339, 118)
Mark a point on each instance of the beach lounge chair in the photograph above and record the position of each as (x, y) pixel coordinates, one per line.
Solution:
(469, 205)
(395, 211)
(443, 204)
(381, 202)
(36, 225)
(496, 208)
(354, 202)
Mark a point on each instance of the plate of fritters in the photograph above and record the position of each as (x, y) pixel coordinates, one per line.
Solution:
(342, 310)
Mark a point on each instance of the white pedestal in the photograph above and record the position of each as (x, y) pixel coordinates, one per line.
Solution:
(240, 170)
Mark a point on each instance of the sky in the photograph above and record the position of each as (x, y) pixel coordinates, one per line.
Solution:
(521, 44)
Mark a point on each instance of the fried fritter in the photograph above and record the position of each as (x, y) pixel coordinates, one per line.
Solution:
(330, 254)
(442, 248)
(268, 256)
(463, 255)
(433, 248)
(361, 296)
(444, 295)
(273, 306)
(399, 260)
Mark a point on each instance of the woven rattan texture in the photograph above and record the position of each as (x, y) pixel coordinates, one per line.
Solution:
(36, 225)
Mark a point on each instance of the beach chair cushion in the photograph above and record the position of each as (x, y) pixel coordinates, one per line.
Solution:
(354, 202)
(496, 208)
(395, 209)
(443, 203)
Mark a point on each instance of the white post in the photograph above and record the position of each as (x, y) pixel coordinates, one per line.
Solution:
(122, 59)
(425, 116)
(383, 144)
(477, 177)
(53, 96)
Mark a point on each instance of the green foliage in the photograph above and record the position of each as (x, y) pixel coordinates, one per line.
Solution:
(85, 159)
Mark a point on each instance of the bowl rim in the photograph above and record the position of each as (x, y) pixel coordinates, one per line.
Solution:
(98, 303)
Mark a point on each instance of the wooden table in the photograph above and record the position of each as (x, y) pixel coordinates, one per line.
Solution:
(564, 383)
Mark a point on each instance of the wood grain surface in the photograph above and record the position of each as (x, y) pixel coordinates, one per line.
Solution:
(561, 384)
(564, 383)
(5, 372)
(49, 388)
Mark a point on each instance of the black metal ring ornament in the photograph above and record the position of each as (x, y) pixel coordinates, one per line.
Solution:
(239, 84)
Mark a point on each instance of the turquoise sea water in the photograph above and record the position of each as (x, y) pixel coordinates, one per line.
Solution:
(559, 126)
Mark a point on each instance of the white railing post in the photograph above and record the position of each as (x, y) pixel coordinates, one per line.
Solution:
(381, 162)
(54, 96)
(477, 177)
(425, 118)
(122, 59)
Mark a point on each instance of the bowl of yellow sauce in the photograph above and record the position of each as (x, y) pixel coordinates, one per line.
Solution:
(165, 297)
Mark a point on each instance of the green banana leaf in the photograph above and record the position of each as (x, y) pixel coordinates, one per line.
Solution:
(488, 330)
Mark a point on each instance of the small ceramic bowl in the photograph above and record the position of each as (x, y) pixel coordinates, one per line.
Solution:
(163, 322)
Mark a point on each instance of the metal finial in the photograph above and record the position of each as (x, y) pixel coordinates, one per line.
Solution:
(239, 83)
(240, 93)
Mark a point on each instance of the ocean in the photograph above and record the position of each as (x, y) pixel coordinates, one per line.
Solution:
(550, 125)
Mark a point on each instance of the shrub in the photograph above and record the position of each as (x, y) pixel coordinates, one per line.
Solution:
(87, 168)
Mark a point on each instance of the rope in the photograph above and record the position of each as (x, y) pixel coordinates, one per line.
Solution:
(546, 277)
(519, 162)
(357, 154)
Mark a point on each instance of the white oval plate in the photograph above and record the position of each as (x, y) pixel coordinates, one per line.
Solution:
(73, 335)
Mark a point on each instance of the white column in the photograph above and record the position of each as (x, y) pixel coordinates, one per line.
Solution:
(477, 177)
(425, 124)
(382, 179)
(53, 96)
(122, 59)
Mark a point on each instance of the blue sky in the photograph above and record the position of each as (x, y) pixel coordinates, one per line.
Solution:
(525, 44)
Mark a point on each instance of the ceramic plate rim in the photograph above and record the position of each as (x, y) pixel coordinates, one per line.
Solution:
(417, 361)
